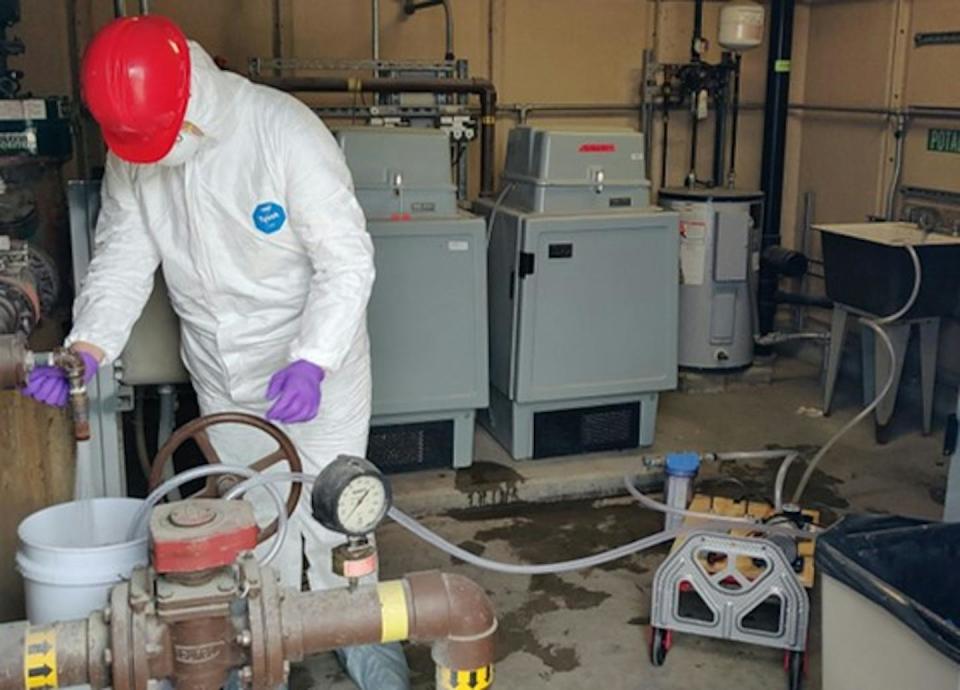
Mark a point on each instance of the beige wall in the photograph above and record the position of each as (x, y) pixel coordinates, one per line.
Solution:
(861, 53)
(846, 52)
(537, 50)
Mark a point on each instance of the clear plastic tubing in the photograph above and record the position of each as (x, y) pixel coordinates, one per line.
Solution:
(593, 561)
(789, 455)
(268, 480)
(434, 539)
(139, 525)
(876, 326)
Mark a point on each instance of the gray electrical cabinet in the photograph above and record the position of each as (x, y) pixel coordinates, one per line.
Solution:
(428, 311)
(717, 249)
(583, 281)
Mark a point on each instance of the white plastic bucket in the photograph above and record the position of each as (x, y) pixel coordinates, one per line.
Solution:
(72, 554)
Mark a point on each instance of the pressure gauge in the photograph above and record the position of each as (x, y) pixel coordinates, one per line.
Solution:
(351, 496)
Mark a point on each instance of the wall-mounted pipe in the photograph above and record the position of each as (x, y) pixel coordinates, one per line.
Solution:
(774, 149)
(375, 29)
(119, 8)
(144, 6)
(411, 7)
(479, 87)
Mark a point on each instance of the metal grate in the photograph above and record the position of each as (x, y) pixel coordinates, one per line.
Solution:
(586, 430)
(408, 447)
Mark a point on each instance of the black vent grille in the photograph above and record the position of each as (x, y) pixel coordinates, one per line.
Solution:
(586, 430)
(408, 447)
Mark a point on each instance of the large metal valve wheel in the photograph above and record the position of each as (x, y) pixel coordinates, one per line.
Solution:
(217, 486)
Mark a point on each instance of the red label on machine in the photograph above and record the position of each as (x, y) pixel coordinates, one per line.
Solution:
(598, 148)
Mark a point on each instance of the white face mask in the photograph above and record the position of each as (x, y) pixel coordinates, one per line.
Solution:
(184, 148)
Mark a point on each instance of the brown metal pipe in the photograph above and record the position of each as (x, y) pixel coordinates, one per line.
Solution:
(482, 88)
(16, 362)
(455, 612)
(196, 647)
(61, 654)
(451, 611)
(13, 362)
(72, 363)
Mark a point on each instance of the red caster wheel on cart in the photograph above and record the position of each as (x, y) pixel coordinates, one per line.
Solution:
(660, 642)
(794, 663)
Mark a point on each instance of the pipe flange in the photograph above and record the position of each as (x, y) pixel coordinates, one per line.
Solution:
(267, 662)
(121, 643)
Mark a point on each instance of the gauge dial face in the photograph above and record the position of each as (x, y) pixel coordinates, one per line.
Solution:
(362, 504)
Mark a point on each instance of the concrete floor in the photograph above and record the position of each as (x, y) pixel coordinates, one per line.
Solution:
(589, 629)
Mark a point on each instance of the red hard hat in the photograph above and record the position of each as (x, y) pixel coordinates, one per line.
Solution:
(136, 82)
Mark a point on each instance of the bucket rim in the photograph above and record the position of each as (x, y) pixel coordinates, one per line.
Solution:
(93, 550)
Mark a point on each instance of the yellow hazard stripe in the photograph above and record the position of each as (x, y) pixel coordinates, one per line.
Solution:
(475, 679)
(40, 659)
(394, 619)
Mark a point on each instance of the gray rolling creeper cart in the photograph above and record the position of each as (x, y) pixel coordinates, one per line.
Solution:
(737, 586)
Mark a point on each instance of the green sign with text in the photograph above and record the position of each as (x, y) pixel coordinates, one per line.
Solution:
(943, 140)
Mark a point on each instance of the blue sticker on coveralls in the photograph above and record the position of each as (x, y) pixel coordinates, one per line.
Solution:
(269, 217)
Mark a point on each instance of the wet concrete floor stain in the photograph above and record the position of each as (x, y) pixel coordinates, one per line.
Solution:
(489, 484)
(546, 532)
(541, 533)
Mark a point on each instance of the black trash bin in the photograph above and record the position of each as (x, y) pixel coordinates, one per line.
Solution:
(891, 604)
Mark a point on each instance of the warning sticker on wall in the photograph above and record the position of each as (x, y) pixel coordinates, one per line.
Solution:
(693, 252)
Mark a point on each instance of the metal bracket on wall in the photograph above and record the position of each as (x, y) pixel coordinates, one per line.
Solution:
(441, 68)
(936, 38)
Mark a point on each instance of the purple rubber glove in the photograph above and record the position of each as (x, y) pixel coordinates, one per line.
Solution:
(50, 386)
(296, 389)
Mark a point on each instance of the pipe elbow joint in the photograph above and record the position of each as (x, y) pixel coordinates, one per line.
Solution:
(464, 630)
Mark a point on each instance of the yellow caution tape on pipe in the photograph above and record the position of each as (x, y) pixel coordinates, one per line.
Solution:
(476, 679)
(40, 659)
(394, 619)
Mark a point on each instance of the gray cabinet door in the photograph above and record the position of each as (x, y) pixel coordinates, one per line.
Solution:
(599, 311)
(428, 316)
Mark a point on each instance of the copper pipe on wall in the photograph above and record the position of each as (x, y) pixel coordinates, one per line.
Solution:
(482, 88)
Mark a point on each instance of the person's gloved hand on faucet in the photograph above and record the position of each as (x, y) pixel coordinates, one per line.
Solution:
(50, 386)
(296, 390)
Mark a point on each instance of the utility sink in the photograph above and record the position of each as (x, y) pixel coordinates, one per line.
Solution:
(867, 268)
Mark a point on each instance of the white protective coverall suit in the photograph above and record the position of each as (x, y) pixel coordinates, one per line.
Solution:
(266, 256)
